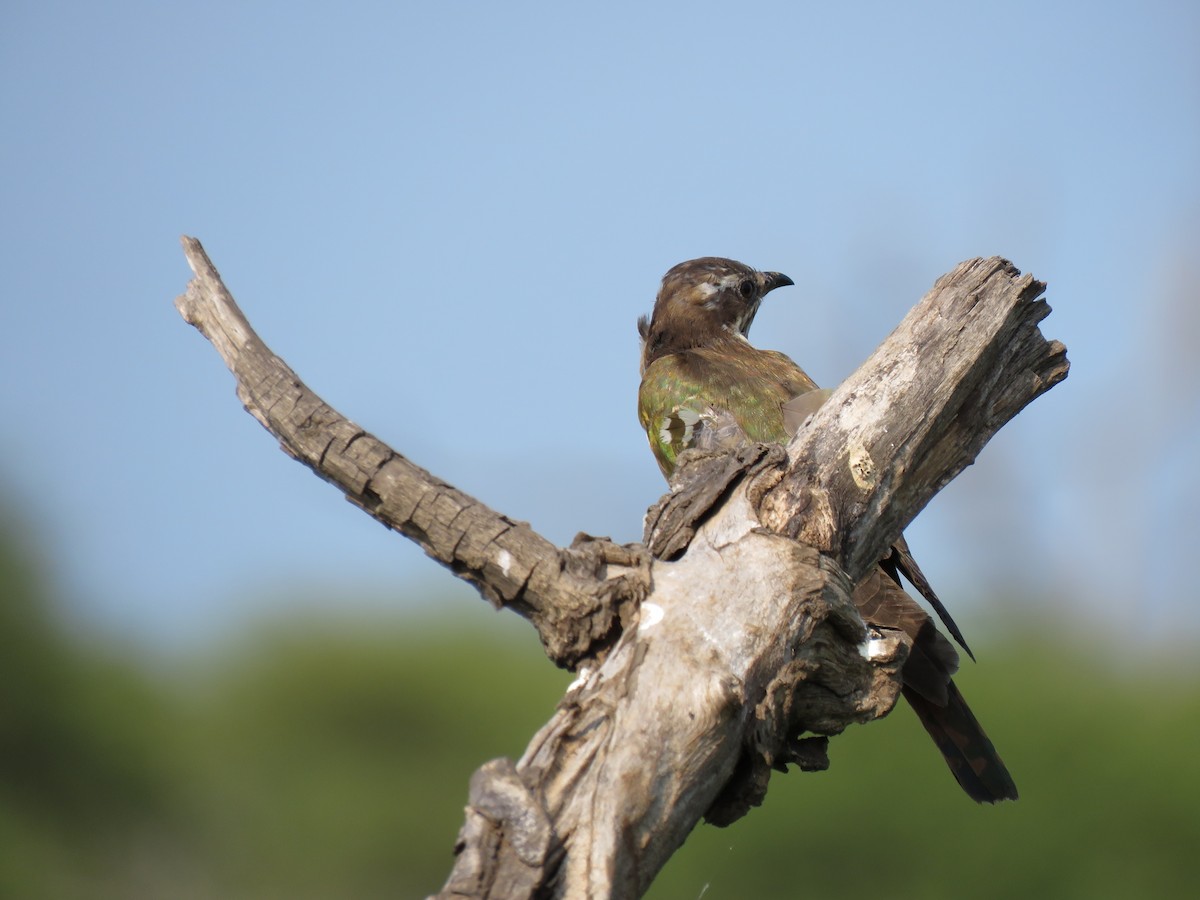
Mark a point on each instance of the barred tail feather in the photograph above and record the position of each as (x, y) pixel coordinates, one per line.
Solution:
(968, 752)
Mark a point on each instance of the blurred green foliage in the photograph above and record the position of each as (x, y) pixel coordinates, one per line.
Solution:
(320, 759)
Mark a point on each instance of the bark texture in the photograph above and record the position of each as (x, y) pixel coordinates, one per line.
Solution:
(964, 361)
(575, 598)
(727, 645)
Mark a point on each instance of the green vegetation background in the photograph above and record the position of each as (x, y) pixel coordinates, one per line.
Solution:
(330, 760)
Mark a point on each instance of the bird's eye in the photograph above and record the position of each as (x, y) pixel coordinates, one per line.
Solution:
(746, 288)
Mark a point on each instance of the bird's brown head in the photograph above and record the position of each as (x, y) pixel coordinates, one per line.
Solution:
(702, 302)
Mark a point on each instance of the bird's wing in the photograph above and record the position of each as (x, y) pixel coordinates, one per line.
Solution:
(702, 399)
(932, 660)
(797, 410)
(899, 561)
(676, 419)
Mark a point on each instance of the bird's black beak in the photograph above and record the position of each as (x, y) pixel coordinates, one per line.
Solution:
(772, 280)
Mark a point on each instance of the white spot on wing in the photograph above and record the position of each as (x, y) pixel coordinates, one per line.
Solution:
(671, 434)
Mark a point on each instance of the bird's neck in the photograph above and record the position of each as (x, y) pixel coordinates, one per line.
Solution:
(660, 342)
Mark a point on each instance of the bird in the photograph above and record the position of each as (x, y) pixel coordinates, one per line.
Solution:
(705, 386)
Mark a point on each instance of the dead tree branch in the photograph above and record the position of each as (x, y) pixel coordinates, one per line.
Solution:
(700, 668)
(576, 599)
(964, 361)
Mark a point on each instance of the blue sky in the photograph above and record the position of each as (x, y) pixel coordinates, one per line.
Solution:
(447, 218)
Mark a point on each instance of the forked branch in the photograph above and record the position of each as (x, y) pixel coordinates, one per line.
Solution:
(705, 660)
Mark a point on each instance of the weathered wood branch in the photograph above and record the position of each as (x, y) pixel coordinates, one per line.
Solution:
(964, 361)
(748, 641)
(701, 669)
(575, 598)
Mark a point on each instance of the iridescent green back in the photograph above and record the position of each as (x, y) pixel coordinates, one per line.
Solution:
(717, 398)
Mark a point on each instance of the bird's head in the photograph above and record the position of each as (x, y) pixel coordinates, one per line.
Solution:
(703, 301)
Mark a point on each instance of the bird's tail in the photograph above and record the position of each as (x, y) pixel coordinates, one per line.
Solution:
(968, 752)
